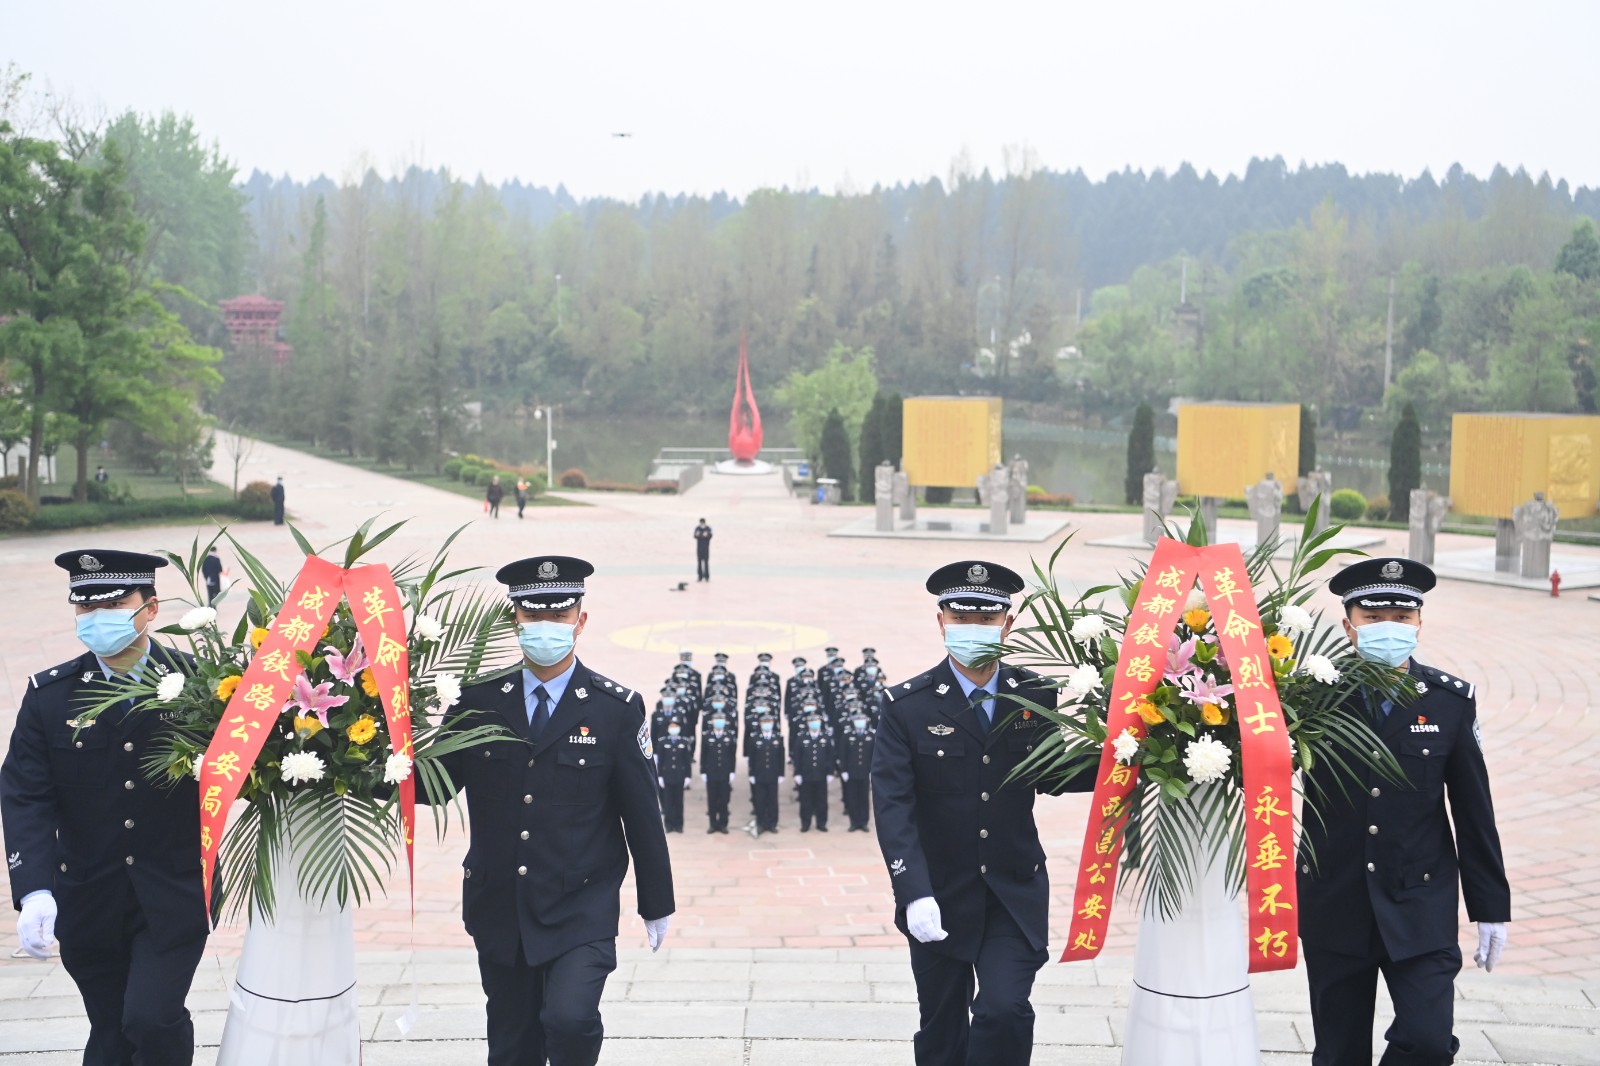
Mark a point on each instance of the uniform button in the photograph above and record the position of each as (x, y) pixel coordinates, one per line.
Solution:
(469, 873)
(485, 753)
(1305, 868)
(522, 871)
(129, 860)
(524, 834)
(1426, 878)
(127, 745)
(128, 785)
(983, 869)
(128, 824)
(1371, 868)
(986, 760)
(527, 799)
(77, 743)
(530, 762)
(1377, 792)
(1375, 753)
(941, 753)
(63, 867)
(1424, 751)
(1372, 830)
(984, 796)
(581, 762)
(983, 834)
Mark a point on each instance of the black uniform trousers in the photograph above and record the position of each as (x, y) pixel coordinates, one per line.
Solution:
(718, 793)
(814, 801)
(702, 561)
(133, 993)
(1000, 1032)
(765, 794)
(672, 804)
(857, 802)
(1343, 991)
(549, 1012)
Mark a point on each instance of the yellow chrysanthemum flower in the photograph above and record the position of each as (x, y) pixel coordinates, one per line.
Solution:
(368, 685)
(306, 727)
(1211, 714)
(1280, 646)
(1197, 619)
(362, 730)
(1149, 712)
(226, 686)
(257, 635)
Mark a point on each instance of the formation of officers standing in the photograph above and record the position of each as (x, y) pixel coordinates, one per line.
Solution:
(816, 726)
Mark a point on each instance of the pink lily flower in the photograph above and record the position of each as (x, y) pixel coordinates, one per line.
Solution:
(1201, 690)
(316, 700)
(347, 667)
(1180, 658)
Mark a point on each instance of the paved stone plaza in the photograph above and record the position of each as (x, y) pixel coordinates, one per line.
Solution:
(782, 949)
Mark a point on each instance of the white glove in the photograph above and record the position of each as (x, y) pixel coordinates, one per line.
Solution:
(1491, 942)
(655, 930)
(661, 782)
(830, 779)
(686, 784)
(797, 780)
(845, 775)
(36, 925)
(780, 780)
(730, 779)
(922, 918)
(702, 777)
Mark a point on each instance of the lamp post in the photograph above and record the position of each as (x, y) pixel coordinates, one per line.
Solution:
(547, 415)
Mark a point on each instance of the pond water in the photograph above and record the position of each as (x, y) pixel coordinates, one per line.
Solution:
(1088, 463)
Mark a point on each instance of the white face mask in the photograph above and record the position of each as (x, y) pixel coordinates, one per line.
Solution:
(673, 731)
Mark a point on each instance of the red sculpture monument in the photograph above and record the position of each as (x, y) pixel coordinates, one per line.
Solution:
(252, 324)
(744, 421)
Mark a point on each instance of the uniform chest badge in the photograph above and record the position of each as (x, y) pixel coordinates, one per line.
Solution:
(583, 737)
(583, 694)
(940, 730)
(1422, 688)
(1011, 681)
(88, 675)
(942, 689)
(78, 723)
(1423, 726)
(506, 687)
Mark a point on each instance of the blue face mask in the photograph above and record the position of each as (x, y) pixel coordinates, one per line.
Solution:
(969, 643)
(815, 727)
(546, 643)
(107, 632)
(1389, 643)
(860, 724)
(718, 724)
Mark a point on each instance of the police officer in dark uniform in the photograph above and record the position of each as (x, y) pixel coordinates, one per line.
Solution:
(814, 765)
(763, 670)
(666, 711)
(855, 768)
(686, 670)
(99, 858)
(720, 672)
(719, 760)
(800, 680)
(556, 809)
(958, 835)
(674, 764)
(766, 773)
(1381, 893)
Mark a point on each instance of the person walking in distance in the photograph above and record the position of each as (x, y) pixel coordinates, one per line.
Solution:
(522, 494)
(211, 569)
(494, 495)
(277, 502)
(702, 551)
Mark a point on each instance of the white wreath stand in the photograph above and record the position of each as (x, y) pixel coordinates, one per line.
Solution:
(1191, 1003)
(293, 1001)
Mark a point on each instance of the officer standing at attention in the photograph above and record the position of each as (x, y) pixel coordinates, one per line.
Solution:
(211, 569)
(719, 759)
(542, 877)
(855, 769)
(958, 835)
(813, 770)
(98, 857)
(277, 502)
(674, 764)
(702, 551)
(766, 774)
(1381, 894)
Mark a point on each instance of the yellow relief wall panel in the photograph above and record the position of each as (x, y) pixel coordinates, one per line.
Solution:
(1498, 461)
(950, 440)
(1223, 447)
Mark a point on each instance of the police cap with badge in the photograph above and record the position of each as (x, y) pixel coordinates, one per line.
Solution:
(96, 576)
(1383, 584)
(544, 582)
(975, 587)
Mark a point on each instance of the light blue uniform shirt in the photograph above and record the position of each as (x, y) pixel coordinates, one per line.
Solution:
(554, 689)
(968, 687)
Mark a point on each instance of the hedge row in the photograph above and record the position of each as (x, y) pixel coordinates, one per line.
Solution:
(17, 512)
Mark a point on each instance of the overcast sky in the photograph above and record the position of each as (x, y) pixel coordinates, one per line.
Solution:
(738, 95)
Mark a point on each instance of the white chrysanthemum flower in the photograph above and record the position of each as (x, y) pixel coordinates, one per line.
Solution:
(170, 687)
(427, 627)
(1080, 681)
(302, 766)
(198, 618)
(1089, 628)
(1320, 667)
(448, 687)
(1295, 621)
(1125, 747)
(396, 769)
(1196, 600)
(1207, 759)
(199, 764)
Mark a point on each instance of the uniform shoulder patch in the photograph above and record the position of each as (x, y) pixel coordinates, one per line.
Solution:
(607, 687)
(906, 688)
(645, 747)
(1439, 680)
(55, 673)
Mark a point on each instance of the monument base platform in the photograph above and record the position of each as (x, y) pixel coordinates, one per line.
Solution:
(1577, 571)
(737, 467)
(957, 525)
(1245, 536)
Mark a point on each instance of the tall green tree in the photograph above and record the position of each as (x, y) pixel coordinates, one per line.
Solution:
(1141, 453)
(844, 383)
(835, 448)
(870, 447)
(1580, 256)
(1405, 461)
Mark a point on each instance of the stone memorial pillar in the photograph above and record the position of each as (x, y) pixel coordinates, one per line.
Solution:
(1427, 513)
(1160, 493)
(1018, 470)
(883, 496)
(1265, 499)
(996, 493)
(1506, 550)
(1208, 515)
(907, 495)
(1535, 526)
(1316, 484)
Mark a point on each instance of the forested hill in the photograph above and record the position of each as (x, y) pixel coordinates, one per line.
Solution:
(1103, 230)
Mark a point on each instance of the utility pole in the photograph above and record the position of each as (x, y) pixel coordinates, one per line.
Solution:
(1388, 340)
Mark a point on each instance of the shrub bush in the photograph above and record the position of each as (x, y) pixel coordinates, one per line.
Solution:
(10, 482)
(573, 478)
(1378, 509)
(16, 510)
(1061, 502)
(471, 460)
(255, 501)
(452, 469)
(1347, 505)
(75, 515)
(1036, 490)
